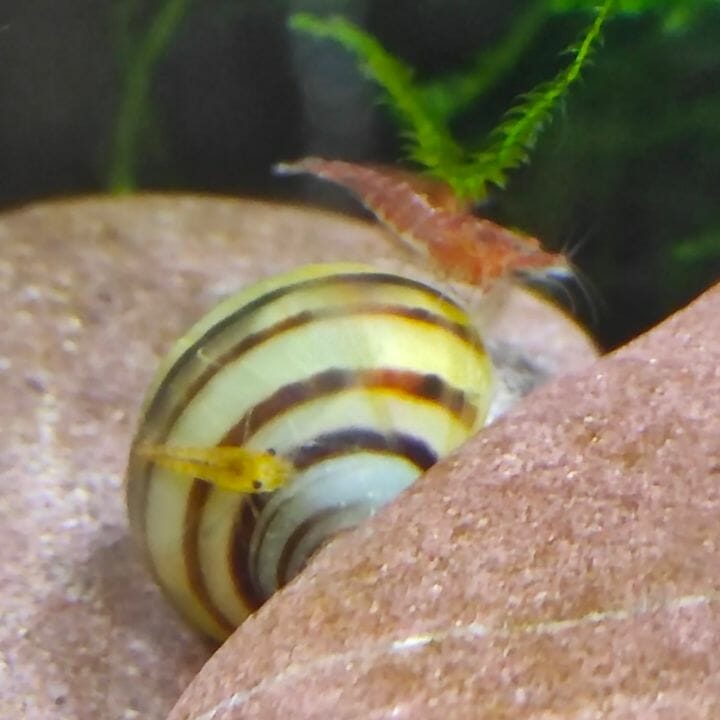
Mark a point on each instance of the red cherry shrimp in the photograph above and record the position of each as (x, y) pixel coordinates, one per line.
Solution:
(428, 216)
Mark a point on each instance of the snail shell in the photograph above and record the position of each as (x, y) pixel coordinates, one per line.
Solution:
(360, 380)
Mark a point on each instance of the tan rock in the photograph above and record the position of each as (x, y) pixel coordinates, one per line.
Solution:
(92, 292)
(564, 564)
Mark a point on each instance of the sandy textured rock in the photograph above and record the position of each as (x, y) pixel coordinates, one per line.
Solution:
(564, 564)
(92, 292)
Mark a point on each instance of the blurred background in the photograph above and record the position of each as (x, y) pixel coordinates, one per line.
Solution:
(626, 178)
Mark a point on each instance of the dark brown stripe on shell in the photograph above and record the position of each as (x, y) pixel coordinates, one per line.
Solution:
(239, 552)
(463, 332)
(350, 441)
(197, 499)
(343, 280)
(428, 387)
(296, 538)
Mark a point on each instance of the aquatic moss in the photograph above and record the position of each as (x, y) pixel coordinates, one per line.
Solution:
(429, 141)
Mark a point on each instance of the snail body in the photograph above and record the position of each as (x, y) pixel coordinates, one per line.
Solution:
(334, 387)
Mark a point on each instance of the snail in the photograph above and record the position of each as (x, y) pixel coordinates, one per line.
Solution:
(292, 411)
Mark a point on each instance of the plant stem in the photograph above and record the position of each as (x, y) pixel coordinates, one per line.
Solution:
(137, 77)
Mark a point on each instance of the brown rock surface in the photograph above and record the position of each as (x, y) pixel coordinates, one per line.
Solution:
(564, 564)
(92, 292)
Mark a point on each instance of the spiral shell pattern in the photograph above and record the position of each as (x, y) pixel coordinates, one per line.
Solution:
(361, 379)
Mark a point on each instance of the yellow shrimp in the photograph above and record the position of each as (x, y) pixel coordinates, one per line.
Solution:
(228, 467)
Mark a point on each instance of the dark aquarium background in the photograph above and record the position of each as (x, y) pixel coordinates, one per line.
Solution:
(99, 96)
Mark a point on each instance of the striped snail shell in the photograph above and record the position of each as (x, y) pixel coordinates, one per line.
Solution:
(354, 380)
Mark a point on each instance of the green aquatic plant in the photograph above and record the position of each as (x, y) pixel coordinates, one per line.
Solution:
(425, 125)
(138, 57)
(424, 109)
